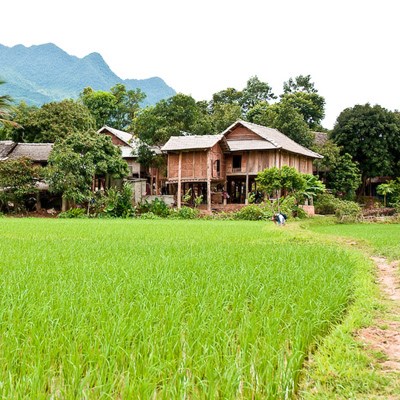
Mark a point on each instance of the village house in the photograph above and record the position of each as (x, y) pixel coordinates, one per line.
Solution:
(223, 167)
(146, 181)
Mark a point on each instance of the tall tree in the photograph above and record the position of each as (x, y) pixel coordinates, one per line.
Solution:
(172, 117)
(301, 83)
(19, 178)
(116, 108)
(284, 117)
(300, 93)
(52, 121)
(6, 108)
(371, 135)
(255, 92)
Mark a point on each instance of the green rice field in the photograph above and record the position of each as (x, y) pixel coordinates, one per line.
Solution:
(384, 238)
(163, 309)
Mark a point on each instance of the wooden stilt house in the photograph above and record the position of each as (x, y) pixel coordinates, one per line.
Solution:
(228, 163)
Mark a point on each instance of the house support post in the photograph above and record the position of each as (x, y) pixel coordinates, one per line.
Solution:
(208, 182)
(246, 201)
(179, 194)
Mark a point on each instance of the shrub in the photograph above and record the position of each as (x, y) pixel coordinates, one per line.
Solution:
(73, 213)
(251, 212)
(185, 213)
(118, 203)
(149, 215)
(157, 207)
(326, 203)
(348, 211)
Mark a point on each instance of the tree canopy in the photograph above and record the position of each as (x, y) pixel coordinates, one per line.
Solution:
(50, 122)
(371, 135)
(116, 108)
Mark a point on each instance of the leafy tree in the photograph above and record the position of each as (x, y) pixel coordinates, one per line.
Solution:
(301, 83)
(116, 108)
(310, 105)
(227, 96)
(128, 105)
(284, 117)
(75, 160)
(338, 170)
(224, 115)
(21, 115)
(6, 108)
(287, 179)
(344, 176)
(301, 94)
(255, 92)
(52, 121)
(102, 105)
(171, 117)
(371, 136)
(18, 179)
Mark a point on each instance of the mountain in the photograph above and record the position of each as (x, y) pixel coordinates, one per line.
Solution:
(44, 73)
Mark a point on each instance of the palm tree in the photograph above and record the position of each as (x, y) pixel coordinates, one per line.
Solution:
(5, 108)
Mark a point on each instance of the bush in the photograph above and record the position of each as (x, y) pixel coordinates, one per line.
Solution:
(118, 203)
(73, 213)
(348, 211)
(149, 215)
(326, 203)
(185, 213)
(251, 212)
(157, 207)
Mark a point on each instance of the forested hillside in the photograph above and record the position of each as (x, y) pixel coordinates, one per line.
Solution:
(45, 73)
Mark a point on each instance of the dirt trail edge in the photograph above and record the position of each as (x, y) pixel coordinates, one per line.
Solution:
(384, 336)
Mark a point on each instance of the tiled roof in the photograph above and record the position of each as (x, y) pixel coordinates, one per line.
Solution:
(126, 137)
(276, 138)
(192, 142)
(241, 145)
(127, 152)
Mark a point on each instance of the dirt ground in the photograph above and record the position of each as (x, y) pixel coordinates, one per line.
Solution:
(384, 335)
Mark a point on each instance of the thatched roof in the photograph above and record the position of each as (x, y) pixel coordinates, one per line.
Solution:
(38, 152)
(276, 139)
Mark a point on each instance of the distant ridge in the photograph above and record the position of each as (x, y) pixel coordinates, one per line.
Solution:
(43, 73)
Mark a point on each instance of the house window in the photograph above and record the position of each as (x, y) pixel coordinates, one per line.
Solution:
(237, 163)
(218, 166)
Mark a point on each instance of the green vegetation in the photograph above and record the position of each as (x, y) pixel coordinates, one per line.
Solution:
(383, 238)
(342, 367)
(65, 75)
(164, 309)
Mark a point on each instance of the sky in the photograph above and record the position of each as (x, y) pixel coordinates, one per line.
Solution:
(349, 47)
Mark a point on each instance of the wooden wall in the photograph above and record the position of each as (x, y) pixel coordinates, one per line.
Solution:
(115, 141)
(194, 164)
(256, 161)
(242, 133)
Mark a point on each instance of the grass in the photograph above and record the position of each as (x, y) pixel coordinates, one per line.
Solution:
(343, 368)
(104, 309)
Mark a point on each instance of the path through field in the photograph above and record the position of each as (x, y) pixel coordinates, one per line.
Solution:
(384, 336)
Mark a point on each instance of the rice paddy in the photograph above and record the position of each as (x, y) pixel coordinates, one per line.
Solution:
(163, 309)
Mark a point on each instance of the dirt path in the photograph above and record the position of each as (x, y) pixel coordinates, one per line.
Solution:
(384, 336)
